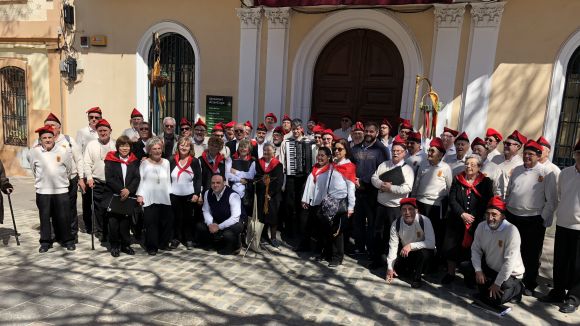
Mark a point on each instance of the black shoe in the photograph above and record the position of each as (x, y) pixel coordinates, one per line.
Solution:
(517, 299)
(552, 297)
(416, 284)
(174, 244)
(568, 307)
(274, 243)
(189, 245)
(320, 258)
(334, 263)
(76, 239)
(528, 293)
(70, 247)
(375, 265)
(128, 250)
(447, 279)
(152, 252)
(44, 248)
(115, 252)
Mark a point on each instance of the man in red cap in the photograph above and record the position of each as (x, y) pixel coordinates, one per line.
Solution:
(431, 188)
(492, 139)
(327, 138)
(415, 154)
(510, 159)
(94, 159)
(229, 131)
(531, 201)
(310, 124)
(405, 127)
(277, 138)
(345, 127)
(240, 132)
(199, 137)
(545, 158)
(448, 137)
(357, 134)
(258, 150)
(457, 161)
(495, 257)
(50, 166)
(84, 136)
(249, 129)
(385, 134)
(270, 121)
(77, 172)
(567, 240)
(287, 126)
(394, 181)
(135, 122)
(413, 233)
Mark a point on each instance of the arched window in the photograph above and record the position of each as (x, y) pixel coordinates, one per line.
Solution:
(569, 122)
(14, 105)
(177, 98)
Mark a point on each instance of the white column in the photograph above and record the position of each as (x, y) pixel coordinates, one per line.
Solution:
(276, 60)
(485, 21)
(248, 80)
(446, 40)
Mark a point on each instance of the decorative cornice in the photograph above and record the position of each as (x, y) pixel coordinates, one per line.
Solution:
(277, 17)
(486, 14)
(449, 15)
(249, 17)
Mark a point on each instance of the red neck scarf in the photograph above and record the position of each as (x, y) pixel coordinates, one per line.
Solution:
(467, 237)
(183, 168)
(111, 156)
(470, 187)
(273, 163)
(237, 156)
(216, 162)
(317, 170)
(348, 170)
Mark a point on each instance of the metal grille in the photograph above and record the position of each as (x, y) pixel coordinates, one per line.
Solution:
(178, 96)
(13, 90)
(569, 124)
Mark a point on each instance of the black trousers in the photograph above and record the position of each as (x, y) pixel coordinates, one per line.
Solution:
(567, 263)
(292, 204)
(436, 214)
(415, 263)
(227, 241)
(330, 236)
(308, 226)
(54, 212)
(511, 288)
(532, 232)
(183, 225)
(157, 220)
(87, 209)
(101, 203)
(382, 229)
(364, 217)
(73, 189)
(119, 226)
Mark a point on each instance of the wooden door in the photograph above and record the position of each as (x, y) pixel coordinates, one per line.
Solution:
(359, 72)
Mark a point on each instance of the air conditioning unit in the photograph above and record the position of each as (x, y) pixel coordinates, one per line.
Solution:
(68, 68)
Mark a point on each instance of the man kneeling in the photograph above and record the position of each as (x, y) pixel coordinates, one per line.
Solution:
(222, 210)
(499, 273)
(411, 244)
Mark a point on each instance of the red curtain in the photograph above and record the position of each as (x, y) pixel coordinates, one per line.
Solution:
(296, 3)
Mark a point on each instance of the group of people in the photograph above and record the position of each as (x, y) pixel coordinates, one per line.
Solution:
(411, 204)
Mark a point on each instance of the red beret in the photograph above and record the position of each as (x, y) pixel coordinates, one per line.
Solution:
(544, 142)
(414, 136)
(103, 123)
(249, 124)
(516, 136)
(44, 130)
(437, 143)
(405, 124)
(386, 122)
(399, 141)
(480, 142)
(262, 127)
(451, 131)
(218, 126)
(409, 201)
(577, 147)
(184, 122)
(497, 203)
(318, 129)
(135, 113)
(96, 109)
(462, 136)
(358, 126)
(230, 124)
(200, 122)
(273, 116)
(278, 130)
(533, 146)
(286, 118)
(52, 117)
(493, 133)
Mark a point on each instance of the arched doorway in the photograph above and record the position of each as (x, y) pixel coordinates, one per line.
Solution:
(569, 121)
(177, 98)
(359, 72)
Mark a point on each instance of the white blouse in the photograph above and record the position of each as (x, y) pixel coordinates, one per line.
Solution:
(184, 185)
(155, 184)
(338, 187)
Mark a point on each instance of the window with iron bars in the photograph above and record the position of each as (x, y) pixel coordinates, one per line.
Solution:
(14, 106)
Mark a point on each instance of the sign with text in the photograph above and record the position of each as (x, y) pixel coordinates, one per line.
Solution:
(217, 109)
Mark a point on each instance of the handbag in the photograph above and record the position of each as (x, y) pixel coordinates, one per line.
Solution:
(126, 207)
(330, 206)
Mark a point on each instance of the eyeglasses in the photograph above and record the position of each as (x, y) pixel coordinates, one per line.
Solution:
(340, 149)
(509, 144)
(317, 137)
(185, 128)
(471, 165)
(169, 126)
(345, 120)
(239, 130)
(490, 139)
(94, 117)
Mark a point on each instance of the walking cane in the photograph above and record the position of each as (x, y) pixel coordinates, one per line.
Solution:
(93, 219)
(13, 220)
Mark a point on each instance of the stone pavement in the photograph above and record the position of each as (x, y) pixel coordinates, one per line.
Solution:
(199, 287)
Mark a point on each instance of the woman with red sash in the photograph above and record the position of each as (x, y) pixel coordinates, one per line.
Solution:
(185, 190)
(470, 192)
(122, 178)
(269, 179)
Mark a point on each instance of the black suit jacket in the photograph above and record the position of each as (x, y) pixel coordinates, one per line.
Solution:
(196, 168)
(114, 178)
(138, 148)
(232, 146)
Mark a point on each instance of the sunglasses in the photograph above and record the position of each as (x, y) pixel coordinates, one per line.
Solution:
(340, 149)
(509, 144)
(238, 130)
(169, 126)
(490, 139)
(185, 128)
(317, 137)
(94, 117)
(199, 130)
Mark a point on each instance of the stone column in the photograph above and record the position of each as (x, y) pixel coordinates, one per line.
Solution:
(248, 80)
(485, 21)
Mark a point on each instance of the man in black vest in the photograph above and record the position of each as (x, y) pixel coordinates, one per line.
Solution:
(222, 212)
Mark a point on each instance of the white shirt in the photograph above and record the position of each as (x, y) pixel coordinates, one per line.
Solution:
(155, 184)
(184, 185)
(495, 156)
(415, 160)
(492, 171)
(235, 210)
(393, 197)
(124, 169)
(568, 212)
(235, 178)
(131, 133)
(410, 234)
(85, 136)
(433, 183)
(506, 167)
(344, 134)
(94, 159)
(337, 187)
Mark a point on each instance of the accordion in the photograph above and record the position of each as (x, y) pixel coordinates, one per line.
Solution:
(299, 158)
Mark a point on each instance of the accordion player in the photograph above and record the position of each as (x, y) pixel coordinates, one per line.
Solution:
(299, 156)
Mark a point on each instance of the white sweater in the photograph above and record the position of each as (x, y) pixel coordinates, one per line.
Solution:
(492, 171)
(51, 169)
(433, 183)
(340, 187)
(85, 136)
(501, 249)
(506, 168)
(155, 184)
(568, 212)
(94, 159)
(410, 234)
(416, 160)
(394, 196)
(532, 192)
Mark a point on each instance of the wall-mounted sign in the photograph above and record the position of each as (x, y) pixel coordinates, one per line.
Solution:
(217, 109)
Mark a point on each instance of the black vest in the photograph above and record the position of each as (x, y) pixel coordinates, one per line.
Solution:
(220, 209)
